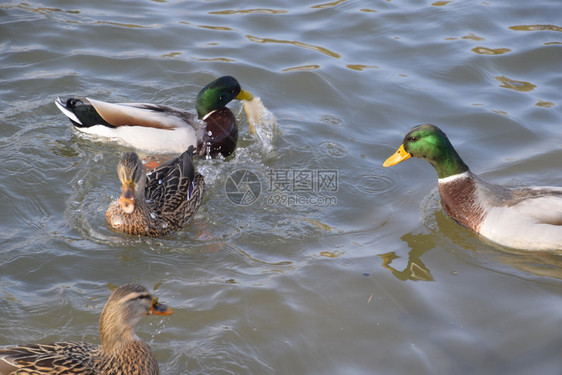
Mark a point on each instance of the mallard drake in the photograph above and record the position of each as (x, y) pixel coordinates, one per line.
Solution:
(121, 351)
(157, 204)
(528, 218)
(160, 129)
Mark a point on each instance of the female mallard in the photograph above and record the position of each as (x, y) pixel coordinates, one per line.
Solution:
(161, 129)
(157, 204)
(523, 218)
(121, 351)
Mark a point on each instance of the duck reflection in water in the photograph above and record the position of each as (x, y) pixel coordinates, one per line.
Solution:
(415, 269)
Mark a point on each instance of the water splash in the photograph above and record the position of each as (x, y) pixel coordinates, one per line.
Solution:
(263, 123)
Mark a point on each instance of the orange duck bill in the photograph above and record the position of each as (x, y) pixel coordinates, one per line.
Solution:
(159, 309)
(127, 198)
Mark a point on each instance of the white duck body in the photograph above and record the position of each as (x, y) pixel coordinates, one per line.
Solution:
(523, 218)
(158, 128)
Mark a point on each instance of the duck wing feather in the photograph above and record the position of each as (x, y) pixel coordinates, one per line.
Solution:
(57, 358)
(143, 114)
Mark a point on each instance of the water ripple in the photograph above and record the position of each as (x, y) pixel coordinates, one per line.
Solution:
(251, 11)
(322, 50)
(536, 28)
(375, 184)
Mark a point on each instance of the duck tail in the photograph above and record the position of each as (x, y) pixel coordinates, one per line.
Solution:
(80, 112)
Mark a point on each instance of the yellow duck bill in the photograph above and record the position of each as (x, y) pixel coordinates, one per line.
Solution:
(397, 157)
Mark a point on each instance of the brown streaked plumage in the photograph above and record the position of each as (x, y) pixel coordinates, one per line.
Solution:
(157, 204)
(121, 351)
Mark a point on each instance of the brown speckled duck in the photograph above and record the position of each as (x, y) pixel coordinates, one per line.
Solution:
(121, 351)
(527, 218)
(157, 204)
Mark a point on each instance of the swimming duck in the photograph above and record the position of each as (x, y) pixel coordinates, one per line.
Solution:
(161, 129)
(121, 351)
(157, 204)
(528, 218)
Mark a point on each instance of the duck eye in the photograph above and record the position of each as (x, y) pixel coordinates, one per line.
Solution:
(413, 139)
(144, 296)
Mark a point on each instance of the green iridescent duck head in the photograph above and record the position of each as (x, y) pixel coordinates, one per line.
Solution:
(218, 94)
(221, 132)
(430, 143)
